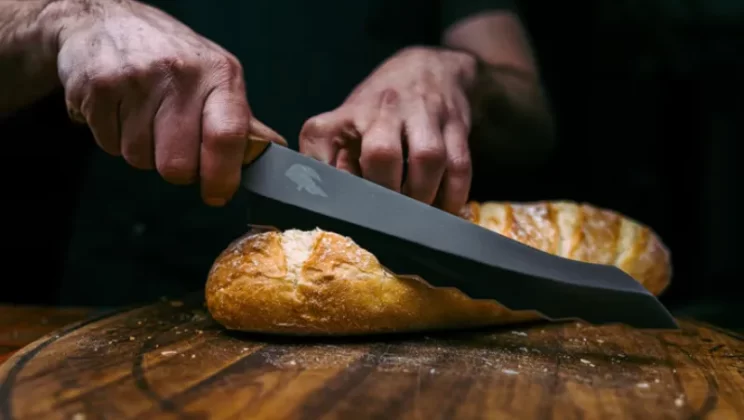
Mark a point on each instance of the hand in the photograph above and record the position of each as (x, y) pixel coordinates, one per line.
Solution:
(415, 102)
(160, 95)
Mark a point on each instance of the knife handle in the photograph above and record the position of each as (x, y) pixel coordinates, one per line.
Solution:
(259, 138)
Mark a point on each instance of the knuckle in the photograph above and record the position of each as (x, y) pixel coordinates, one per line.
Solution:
(131, 71)
(136, 149)
(383, 153)
(104, 80)
(431, 156)
(459, 166)
(434, 103)
(434, 100)
(228, 65)
(316, 124)
(309, 128)
(178, 171)
(76, 86)
(226, 137)
(177, 67)
(172, 64)
(137, 160)
(318, 127)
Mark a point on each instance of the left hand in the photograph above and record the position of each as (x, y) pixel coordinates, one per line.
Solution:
(414, 105)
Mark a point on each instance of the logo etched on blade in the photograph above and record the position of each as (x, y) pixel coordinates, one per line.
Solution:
(305, 178)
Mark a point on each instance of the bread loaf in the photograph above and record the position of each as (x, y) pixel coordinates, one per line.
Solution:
(581, 232)
(321, 283)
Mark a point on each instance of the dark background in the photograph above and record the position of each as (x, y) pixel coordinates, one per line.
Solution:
(648, 102)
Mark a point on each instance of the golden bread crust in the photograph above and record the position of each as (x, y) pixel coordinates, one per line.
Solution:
(581, 232)
(339, 289)
(321, 283)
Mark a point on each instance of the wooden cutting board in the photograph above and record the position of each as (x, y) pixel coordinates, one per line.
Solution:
(170, 360)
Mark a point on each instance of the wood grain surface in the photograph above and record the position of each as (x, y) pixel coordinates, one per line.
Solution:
(21, 325)
(170, 360)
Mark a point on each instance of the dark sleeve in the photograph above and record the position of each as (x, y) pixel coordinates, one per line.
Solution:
(452, 11)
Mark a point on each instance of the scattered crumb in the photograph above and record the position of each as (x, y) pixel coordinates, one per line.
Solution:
(176, 303)
(244, 349)
(510, 372)
(586, 362)
(433, 371)
(545, 369)
(131, 338)
(600, 341)
(78, 416)
(657, 380)
(520, 333)
(139, 322)
(643, 385)
(291, 363)
(679, 401)
(674, 370)
(193, 356)
(168, 353)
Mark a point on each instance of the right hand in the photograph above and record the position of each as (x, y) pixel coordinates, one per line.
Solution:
(160, 95)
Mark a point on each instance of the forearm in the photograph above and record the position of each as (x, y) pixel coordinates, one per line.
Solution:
(511, 119)
(28, 48)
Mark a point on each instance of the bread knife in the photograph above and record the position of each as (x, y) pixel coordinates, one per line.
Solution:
(290, 190)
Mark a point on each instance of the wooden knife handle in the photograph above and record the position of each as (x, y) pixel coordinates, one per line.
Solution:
(258, 140)
(256, 146)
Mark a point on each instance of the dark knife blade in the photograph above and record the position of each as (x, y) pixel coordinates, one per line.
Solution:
(290, 190)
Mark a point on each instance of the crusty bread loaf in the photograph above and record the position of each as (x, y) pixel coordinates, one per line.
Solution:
(321, 283)
(581, 232)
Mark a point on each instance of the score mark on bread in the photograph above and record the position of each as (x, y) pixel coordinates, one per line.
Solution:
(322, 283)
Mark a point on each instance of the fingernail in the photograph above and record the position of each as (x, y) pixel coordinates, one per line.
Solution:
(215, 202)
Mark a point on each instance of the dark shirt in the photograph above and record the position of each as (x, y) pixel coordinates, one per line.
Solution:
(137, 238)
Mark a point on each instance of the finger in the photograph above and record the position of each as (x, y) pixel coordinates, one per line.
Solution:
(455, 188)
(225, 128)
(348, 160)
(93, 98)
(102, 116)
(324, 135)
(426, 155)
(137, 113)
(177, 130)
(381, 158)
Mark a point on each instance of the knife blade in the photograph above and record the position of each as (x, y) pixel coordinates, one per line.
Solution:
(290, 190)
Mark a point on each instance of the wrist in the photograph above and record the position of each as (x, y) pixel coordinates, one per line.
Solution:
(61, 17)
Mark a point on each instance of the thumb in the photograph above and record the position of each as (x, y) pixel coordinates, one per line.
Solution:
(261, 132)
(259, 137)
